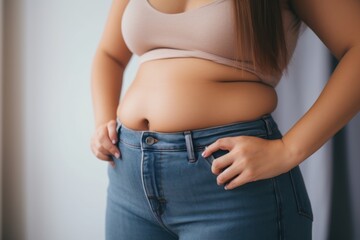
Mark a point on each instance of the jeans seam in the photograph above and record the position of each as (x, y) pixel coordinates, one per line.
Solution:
(129, 144)
(159, 180)
(145, 192)
(298, 204)
(279, 208)
(210, 159)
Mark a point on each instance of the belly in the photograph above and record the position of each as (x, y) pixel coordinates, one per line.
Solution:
(171, 95)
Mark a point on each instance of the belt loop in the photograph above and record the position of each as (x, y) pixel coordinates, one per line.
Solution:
(189, 146)
(268, 123)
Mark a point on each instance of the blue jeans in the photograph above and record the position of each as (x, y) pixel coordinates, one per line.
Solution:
(162, 188)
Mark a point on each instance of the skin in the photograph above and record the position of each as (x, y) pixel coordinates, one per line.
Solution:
(213, 96)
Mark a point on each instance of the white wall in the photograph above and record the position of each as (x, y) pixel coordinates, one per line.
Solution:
(308, 73)
(54, 188)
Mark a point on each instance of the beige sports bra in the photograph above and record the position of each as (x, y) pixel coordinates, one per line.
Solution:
(206, 32)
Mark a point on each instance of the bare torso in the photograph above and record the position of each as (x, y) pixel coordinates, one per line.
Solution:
(178, 94)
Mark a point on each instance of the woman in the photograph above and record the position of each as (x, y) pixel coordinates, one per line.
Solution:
(195, 152)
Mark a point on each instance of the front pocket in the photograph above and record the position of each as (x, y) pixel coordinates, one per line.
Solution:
(300, 193)
(209, 159)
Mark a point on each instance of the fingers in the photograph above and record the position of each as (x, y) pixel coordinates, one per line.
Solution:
(235, 174)
(103, 156)
(231, 170)
(100, 152)
(228, 174)
(106, 146)
(103, 142)
(222, 162)
(106, 157)
(225, 143)
(111, 126)
(241, 179)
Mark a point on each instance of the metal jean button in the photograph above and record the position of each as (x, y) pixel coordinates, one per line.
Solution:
(150, 140)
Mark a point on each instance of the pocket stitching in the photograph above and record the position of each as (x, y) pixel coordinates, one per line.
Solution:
(209, 159)
(300, 209)
(278, 199)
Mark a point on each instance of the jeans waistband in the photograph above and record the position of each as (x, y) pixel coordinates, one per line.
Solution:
(191, 140)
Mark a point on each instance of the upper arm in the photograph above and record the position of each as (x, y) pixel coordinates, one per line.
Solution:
(335, 22)
(112, 42)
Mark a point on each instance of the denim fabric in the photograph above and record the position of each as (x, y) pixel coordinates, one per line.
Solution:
(162, 188)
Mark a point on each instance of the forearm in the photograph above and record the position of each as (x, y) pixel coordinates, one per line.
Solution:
(106, 84)
(338, 103)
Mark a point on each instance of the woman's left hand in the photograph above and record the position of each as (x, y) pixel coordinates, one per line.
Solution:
(249, 159)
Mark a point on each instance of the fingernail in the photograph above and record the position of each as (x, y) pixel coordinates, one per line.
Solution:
(113, 141)
(225, 187)
(117, 155)
(204, 152)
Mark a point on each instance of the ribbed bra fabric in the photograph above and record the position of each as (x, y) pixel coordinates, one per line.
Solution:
(206, 32)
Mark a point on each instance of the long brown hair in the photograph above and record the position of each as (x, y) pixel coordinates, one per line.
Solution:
(261, 22)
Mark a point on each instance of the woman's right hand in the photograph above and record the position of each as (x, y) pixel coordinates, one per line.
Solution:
(103, 142)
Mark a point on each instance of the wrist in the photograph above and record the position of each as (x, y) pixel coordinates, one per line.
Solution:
(294, 154)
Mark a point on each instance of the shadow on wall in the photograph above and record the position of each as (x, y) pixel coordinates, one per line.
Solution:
(13, 114)
(344, 204)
